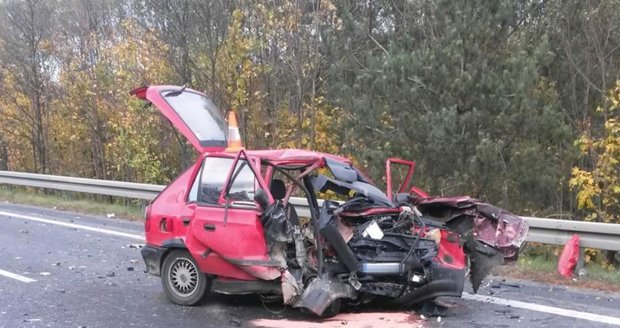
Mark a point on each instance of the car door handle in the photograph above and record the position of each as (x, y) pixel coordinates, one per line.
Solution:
(209, 227)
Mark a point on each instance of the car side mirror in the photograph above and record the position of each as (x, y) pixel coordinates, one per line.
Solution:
(261, 198)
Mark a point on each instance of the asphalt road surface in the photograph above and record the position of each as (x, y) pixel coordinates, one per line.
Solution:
(64, 269)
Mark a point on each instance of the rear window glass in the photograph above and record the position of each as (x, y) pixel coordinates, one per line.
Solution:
(200, 114)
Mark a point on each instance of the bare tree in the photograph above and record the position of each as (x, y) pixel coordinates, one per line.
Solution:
(25, 26)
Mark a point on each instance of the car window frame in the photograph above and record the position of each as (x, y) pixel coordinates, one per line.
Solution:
(198, 177)
(251, 160)
(221, 204)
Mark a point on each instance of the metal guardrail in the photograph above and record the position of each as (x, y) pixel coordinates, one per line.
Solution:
(92, 186)
(557, 232)
(542, 230)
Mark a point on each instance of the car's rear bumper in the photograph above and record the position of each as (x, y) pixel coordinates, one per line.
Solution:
(152, 256)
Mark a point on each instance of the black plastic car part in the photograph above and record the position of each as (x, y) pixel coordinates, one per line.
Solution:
(329, 231)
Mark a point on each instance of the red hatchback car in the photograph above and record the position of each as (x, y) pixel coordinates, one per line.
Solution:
(233, 223)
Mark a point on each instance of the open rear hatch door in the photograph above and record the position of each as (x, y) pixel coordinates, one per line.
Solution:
(192, 113)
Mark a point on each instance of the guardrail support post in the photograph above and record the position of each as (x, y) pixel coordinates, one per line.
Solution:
(610, 257)
(581, 260)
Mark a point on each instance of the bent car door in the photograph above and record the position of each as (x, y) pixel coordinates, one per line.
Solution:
(227, 220)
(400, 170)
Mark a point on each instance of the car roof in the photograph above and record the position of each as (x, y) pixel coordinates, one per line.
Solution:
(293, 156)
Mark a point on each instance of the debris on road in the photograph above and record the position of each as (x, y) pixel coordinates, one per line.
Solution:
(582, 273)
(235, 322)
(433, 309)
(507, 284)
(110, 215)
(136, 246)
(44, 273)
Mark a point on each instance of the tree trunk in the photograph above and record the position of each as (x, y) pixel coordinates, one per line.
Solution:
(610, 257)
(4, 156)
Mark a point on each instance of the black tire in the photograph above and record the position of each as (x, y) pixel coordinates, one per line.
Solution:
(332, 310)
(182, 279)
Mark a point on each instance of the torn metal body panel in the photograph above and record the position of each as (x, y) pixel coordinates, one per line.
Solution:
(290, 288)
(492, 225)
(491, 235)
(320, 293)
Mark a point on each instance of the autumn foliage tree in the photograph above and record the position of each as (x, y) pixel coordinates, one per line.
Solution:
(487, 97)
(598, 187)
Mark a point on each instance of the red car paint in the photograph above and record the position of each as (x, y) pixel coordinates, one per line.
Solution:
(451, 251)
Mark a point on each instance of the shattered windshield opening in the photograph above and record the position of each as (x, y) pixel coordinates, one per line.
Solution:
(200, 114)
(348, 181)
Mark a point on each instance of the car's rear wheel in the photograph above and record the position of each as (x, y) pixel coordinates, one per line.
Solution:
(182, 279)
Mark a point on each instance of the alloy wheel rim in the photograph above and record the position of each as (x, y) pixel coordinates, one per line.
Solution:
(183, 277)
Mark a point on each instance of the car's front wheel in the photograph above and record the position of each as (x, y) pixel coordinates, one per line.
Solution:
(332, 310)
(182, 279)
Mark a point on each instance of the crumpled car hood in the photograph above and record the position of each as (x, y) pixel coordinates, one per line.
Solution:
(493, 226)
(490, 235)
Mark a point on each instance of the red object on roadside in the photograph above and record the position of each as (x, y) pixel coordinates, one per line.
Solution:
(569, 256)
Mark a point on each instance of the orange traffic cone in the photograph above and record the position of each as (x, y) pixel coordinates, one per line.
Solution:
(234, 137)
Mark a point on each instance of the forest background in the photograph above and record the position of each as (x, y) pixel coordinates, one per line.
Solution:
(511, 101)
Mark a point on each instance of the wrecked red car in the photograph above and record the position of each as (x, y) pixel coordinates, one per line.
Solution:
(232, 223)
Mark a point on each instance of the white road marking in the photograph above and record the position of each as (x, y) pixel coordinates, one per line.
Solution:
(73, 225)
(487, 299)
(545, 309)
(16, 276)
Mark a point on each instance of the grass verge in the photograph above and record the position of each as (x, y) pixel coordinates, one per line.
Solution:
(72, 202)
(544, 269)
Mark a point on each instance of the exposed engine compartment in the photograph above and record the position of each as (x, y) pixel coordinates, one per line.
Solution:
(366, 247)
(361, 253)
